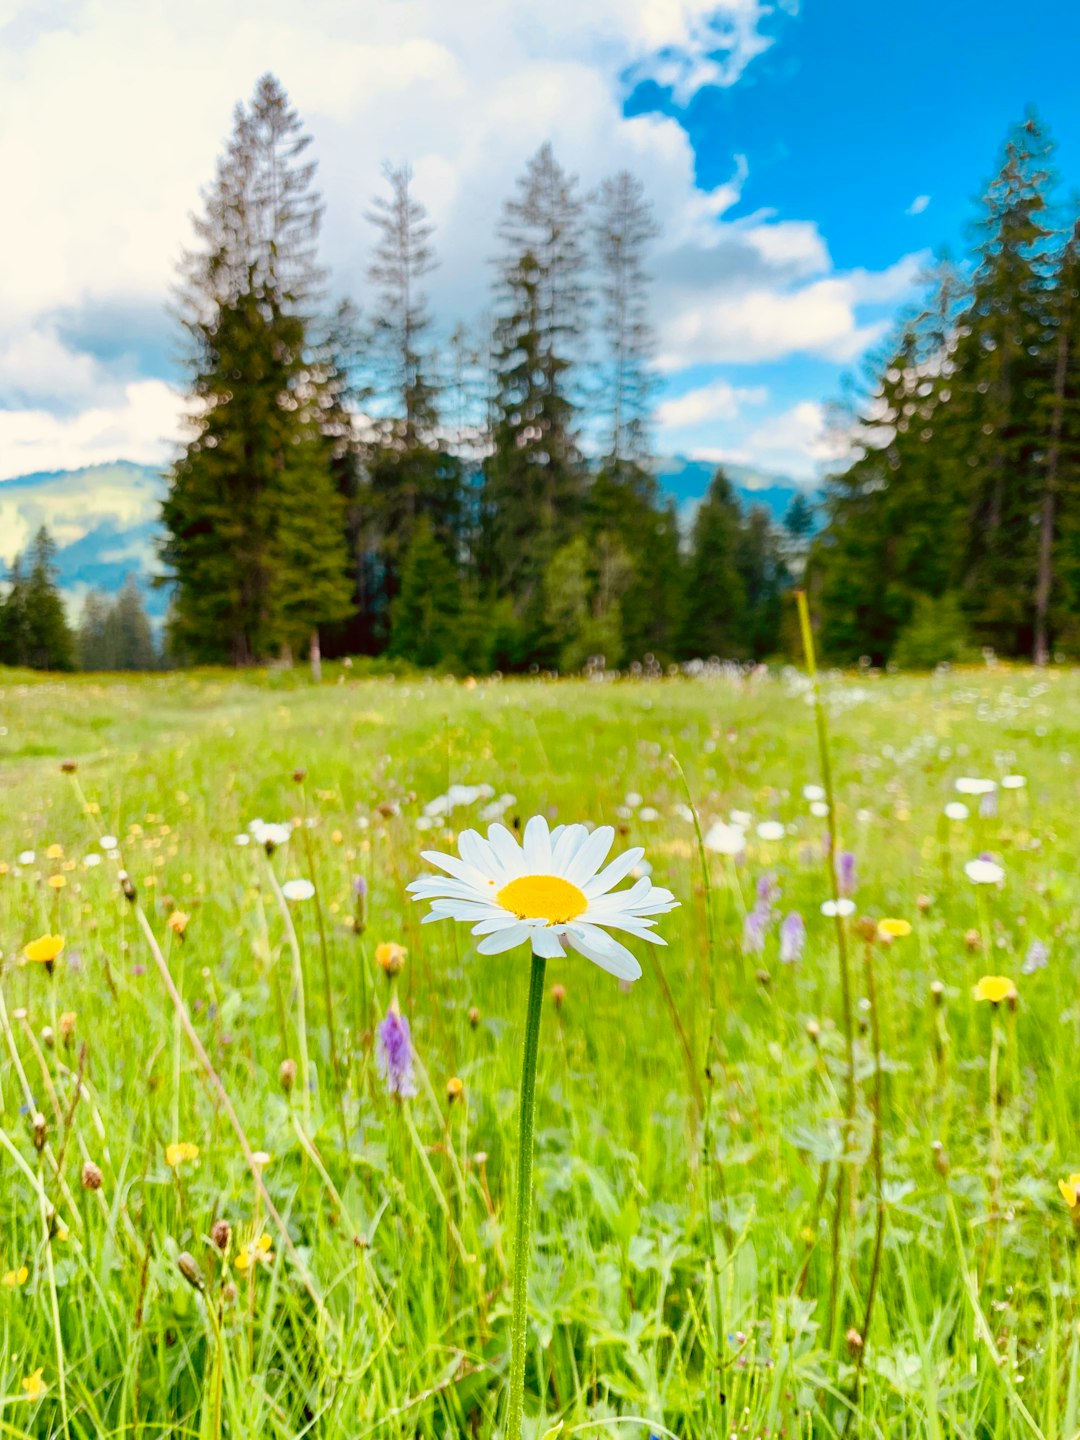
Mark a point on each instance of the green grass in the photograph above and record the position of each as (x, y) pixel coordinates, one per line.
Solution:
(682, 1271)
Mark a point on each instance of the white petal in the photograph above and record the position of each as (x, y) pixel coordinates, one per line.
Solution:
(591, 855)
(504, 939)
(630, 923)
(467, 874)
(545, 942)
(602, 950)
(611, 874)
(476, 851)
(567, 845)
(536, 844)
(506, 850)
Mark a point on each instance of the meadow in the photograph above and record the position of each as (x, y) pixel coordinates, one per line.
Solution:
(735, 1235)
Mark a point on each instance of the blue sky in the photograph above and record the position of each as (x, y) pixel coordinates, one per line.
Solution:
(783, 145)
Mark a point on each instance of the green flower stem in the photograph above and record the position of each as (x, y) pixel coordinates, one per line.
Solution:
(523, 1219)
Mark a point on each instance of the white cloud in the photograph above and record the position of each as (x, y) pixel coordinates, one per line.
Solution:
(112, 114)
(139, 423)
(918, 205)
(716, 401)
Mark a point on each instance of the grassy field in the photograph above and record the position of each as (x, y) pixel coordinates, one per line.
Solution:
(707, 1207)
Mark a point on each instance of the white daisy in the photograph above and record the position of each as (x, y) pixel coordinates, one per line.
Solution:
(298, 889)
(770, 830)
(813, 792)
(549, 891)
(972, 785)
(725, 839)
(1014, 782)
(957, 810)
(832, 908)
(984, 872)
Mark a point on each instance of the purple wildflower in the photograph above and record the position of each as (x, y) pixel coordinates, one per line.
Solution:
(768, 892)
(845, 872)
(988, 806)
(792, 938)
(395, 1055)
(359, 886)
(1036, 958)
(755, 925)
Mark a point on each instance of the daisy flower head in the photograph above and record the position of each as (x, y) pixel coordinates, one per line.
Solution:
(984, 871)
(549, 891)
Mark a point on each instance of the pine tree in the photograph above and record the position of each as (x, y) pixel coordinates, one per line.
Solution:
(246, 302)
(14, 633)
(92, 640)
(48, 639)
(715, 598)
(535, 478)
(128, 638)
(623, 227)
(425, 613)
(1057, 599)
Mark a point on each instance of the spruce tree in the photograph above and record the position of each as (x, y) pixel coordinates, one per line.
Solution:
(247, 301)
(49, 642)
(425, 612)
(535, 478)
(715, 597)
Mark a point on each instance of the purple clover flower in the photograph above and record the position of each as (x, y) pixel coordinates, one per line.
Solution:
(395, 1055)
(792, 938)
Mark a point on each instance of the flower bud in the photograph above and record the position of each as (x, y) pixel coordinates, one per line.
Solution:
(68, 767)
(221, 1234)
(937, 993)
(854, 1340)
(558, 995)
(474, 1016)
(39, 1128)
(188, 1267)
(813, 1030)
(455, 1088)
(91, 1176)
(287, 1075)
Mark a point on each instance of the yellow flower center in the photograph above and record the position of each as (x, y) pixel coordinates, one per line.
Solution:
(543, 897)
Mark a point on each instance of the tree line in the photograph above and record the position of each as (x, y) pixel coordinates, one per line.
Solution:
(114, 632)
(956, 525)
(364, 480)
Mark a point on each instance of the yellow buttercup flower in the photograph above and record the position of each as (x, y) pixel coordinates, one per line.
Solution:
(54, 852)
(390, 957)
(33, 1385)
(995, 988)
(45, 949)
(1070, 1191)
(57, 882)
(260, 1249)
(177, 923)
(179, 1152)
(14, 1278)
(893, 929)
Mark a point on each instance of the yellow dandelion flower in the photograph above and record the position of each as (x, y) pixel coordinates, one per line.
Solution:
(179, 1152)
(33, 1385)
(890, 929)
(45, 949)
(57, 882)
(14, 1278)
(995, 988)
(178, 923)
(54, 852)
(1070, 1191)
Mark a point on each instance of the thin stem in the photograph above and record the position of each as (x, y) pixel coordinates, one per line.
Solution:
(523, 1219)
(328, 988)
(879, 1163)
(298, 985)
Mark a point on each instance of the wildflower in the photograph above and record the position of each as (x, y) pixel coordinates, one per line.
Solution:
(179, 1153)
(813, 793)
(261, 1158)
(270, 837)
(455, 1088)
(1014, 782)
(474, 1016)
(91, 1176)
(984, 872)
(1070, 1192)
(755, 924)
(45, 950)
(92, 860)
(108, 842)
(995, 988)
(39, 1129)
(845, 872)
(770, 830)
(741, 818)
(298, 889)
(725, 839)
(792, 938)
(14, 1278)
(988, 805)
(221, 1234)
(287, 1075)
(768, 892)
(26, 857)
(819, 809)
(548, 891)
(1035, 959)
(68, 767)
(970, 785)
(54, 852)
(33, 1385)
(260, 1249)
(189, 1268)
(889, 929)
(832, 908)
(937, 992)
(177, 923)
(390, 957)
(395, 1054)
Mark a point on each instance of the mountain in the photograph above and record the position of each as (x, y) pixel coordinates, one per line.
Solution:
(105, 518)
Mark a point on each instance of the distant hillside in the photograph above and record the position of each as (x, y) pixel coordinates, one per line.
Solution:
(105, 518)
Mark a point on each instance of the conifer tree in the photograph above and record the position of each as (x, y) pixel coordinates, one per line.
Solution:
(715, 593)
(247, 299)
(425, 612)
(49, 643)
